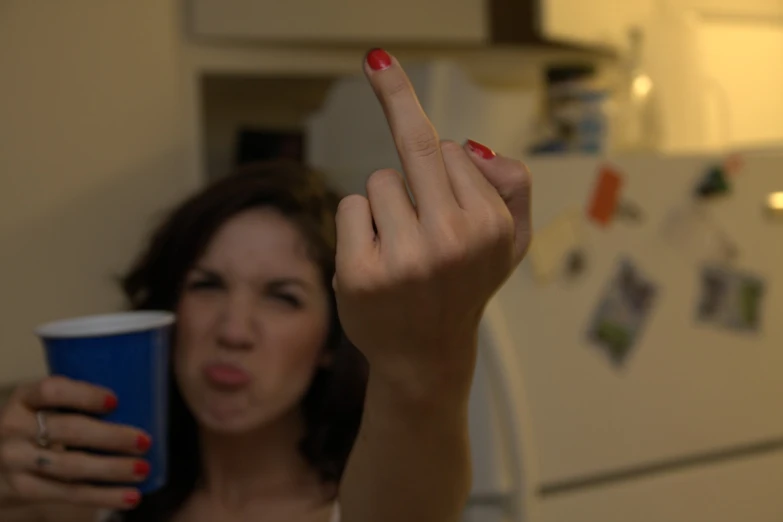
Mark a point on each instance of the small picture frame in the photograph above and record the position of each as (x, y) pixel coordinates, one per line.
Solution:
(730, 299)
(623, 311)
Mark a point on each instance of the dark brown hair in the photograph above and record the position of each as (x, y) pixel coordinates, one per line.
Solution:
(333, 405)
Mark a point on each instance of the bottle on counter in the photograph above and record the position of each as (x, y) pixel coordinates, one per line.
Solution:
(575, 117)
(636, 125)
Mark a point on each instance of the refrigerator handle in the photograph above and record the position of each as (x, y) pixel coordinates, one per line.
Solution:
(502, 362)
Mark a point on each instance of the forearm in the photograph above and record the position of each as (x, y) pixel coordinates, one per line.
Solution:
(411, 460)
(13, 511)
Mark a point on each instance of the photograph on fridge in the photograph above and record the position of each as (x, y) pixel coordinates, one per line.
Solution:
(622, 312)
(730, 298)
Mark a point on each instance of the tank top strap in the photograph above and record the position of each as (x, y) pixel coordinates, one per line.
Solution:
(335, 513)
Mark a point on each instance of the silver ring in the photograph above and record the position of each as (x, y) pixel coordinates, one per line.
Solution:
(42, 437)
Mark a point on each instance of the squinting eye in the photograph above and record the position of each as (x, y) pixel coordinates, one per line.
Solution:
(204, 284)
(289, 299)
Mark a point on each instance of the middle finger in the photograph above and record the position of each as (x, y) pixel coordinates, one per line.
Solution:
(417, 142)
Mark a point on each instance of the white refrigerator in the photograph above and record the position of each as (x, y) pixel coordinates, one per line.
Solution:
(690, 426)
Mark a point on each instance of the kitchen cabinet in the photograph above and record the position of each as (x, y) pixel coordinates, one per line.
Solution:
(607, 23)
(342, 21)
(740, 8)
(601, 24)
(456, 23)
(597, 22)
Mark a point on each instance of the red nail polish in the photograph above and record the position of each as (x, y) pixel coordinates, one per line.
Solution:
(378, 60)
(481, 150)
(141, 468)
(131, 498)
(143, 443)
(110, 402)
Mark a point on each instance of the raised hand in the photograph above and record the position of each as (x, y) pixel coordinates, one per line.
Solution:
(411, 295)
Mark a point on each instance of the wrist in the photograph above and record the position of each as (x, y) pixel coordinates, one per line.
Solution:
(394, 411)
(437, 379)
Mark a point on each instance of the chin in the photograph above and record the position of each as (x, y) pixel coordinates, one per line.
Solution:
(233, 425)
(228, 416)
(228, 420)
(233, 415)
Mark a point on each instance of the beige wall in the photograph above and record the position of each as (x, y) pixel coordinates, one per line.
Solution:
(93, 145)
(746, 59)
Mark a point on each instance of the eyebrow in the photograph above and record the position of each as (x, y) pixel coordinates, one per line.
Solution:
(285, 281)
(206, 271)
(274, 283)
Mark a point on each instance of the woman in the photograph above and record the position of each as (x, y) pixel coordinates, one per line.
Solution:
(267, 419)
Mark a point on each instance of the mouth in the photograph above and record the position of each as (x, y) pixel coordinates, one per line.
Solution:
(226, 375)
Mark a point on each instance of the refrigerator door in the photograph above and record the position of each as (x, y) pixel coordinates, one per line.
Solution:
(489, 442)
(502, 476)
(486, 514)
(689, 391)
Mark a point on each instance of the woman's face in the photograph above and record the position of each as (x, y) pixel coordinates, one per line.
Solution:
(252, 322)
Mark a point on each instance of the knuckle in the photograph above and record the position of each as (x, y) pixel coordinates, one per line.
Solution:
(409, 266)
(19, 392)
(62, 428)
(525, 171)
(450, 239)
(398, 87)
(74, 464)
(522, 175)
(360, 289)
(51, 388)
(6, 425)
(23, 486)
(382, 178)
(484, 216)
(116, 468)
(350, 202)
(88, 495)
(358, 279)
(497, 226)
(423, 142)
(451, 147)
(10, 424)
(7, 454)
(450, 253)
(410, 271)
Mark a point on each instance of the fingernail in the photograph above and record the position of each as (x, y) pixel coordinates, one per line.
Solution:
(481, 150)
(141, 468)
(143, 442)
(378, 60)
(110, 402)
(132, 498)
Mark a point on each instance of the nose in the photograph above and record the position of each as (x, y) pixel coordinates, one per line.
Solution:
(237, 326)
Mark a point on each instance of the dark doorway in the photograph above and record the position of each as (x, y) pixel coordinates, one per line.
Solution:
(262, 144)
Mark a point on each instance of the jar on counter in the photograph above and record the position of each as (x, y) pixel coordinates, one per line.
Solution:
(576, 115)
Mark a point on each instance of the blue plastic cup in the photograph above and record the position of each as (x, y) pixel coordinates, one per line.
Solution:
(127, 353)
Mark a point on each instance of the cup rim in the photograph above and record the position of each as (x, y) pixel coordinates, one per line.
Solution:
(106, 324)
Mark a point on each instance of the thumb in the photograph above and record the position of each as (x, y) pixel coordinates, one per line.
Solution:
(512, 180)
